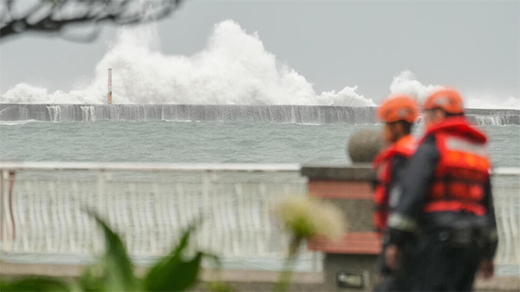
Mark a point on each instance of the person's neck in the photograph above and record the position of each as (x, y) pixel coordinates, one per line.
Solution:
(399, 137)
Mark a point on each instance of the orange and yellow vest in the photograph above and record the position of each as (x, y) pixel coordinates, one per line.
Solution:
(463, 168)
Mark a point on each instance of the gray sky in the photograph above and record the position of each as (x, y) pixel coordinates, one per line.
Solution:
(473, 45)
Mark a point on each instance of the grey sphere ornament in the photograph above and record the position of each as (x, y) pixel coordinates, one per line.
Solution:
(364, 145)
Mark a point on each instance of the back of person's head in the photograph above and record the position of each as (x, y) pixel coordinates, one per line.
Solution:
(447, 99)
(398, 112)
(398, 108)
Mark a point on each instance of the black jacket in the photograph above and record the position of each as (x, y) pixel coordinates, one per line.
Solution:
(414, 188)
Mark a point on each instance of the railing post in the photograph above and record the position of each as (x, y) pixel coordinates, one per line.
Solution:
(6, 223)
(2, 211)
(98, 236)
(206, 182)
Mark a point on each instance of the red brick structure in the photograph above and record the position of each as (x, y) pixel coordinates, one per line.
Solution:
(350, 189)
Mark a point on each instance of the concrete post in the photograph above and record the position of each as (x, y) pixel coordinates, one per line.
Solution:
(364, 145)
(350, 265)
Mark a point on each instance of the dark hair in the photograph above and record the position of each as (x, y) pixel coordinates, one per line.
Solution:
(447, 113)
(406, 126)
(454, 115)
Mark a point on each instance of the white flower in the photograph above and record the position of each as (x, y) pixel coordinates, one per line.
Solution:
(306, 217)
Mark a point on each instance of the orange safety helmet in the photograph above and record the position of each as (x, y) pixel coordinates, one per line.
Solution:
(398, 108)
(447, 99)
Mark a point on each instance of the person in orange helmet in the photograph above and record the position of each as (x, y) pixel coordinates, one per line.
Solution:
(398, 113)
(444, 210)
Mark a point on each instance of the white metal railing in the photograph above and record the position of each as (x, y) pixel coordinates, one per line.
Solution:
(149, 204)
(506, 191)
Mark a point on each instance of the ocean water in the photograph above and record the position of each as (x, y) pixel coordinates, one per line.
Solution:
(217, 142)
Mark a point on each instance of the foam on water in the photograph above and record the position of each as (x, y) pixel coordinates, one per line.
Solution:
(17, 123)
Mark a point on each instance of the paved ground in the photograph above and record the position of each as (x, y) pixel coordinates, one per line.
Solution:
(241, 280)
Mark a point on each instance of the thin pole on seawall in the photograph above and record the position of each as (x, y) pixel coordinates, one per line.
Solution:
(109, 85)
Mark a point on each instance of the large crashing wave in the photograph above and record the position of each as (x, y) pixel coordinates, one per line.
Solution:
(234, 68)
(407, 83)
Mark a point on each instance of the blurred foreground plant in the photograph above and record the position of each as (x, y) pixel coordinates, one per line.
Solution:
(115, 271)
(306, 218)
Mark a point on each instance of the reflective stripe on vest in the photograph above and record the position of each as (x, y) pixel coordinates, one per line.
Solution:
(455, 206)
(458, 144)
(401, 222)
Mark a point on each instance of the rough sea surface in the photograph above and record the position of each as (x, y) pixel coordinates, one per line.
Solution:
(218, 142)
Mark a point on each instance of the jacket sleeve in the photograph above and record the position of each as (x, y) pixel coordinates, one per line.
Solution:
(490, 251)
(398, 167)
(408, 199)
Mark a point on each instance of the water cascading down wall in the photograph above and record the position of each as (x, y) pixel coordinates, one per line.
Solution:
(240, 113)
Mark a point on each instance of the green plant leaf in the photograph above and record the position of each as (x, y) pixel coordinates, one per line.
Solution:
(173, 272)
(89, 282)
(36, 284)
(117, 266)
(177, 275)
(177, 252)
(220, 287)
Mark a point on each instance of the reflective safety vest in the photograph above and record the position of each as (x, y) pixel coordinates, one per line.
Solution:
(405, 147)
(462, 170)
